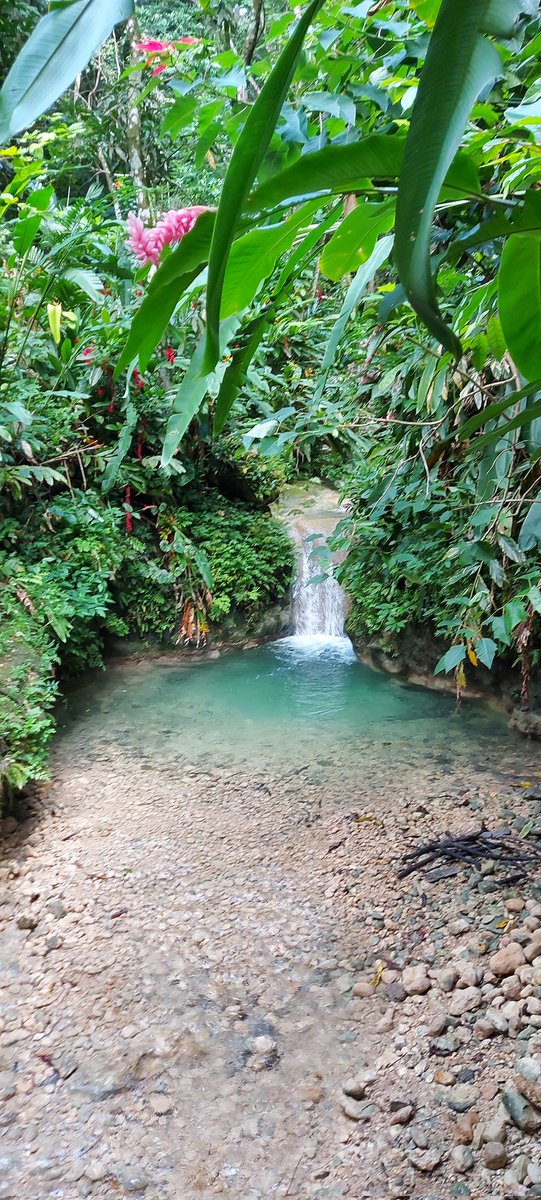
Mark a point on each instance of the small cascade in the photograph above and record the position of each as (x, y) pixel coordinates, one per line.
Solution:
(319, 609)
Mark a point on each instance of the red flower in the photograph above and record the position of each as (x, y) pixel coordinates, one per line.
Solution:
(188, 41)
(170, 355)
(88, 352)
(140, 383)
(129, 518)
(154, 47)
(101, 392)
(111, 407)
(158, 70)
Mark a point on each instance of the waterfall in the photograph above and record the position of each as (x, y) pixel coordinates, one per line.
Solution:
(319, 609)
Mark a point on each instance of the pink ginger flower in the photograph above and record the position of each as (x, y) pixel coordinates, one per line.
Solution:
(147, 244)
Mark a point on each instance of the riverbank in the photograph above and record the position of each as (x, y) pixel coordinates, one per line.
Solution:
(215, 983)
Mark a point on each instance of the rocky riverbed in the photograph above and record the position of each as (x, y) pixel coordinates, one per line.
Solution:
(213, 983)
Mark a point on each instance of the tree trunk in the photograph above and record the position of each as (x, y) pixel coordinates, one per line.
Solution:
(135, 157)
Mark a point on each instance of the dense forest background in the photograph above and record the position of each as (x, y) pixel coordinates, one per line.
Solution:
(127, 508)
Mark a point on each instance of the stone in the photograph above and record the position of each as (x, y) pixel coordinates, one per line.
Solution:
(495, 1156)
(132, 1179)
(530, 1067)
(396, 991)
(357, 1085)
(534, 1172)
(363, 989)
(507, 959)
(530, 1089)
(56, 909)
(96, 1170)
(438, 1025)
(462, 1159)
(464, 1001)
(401, 1115)
(27, 920)
(415, 980)
(160, 1104)
(358, 1110)
(464, 1128)
(462, 1097)
(426, 1160)
(495, 1130)
(447, 978)
(523, 1115)
(101, 1076)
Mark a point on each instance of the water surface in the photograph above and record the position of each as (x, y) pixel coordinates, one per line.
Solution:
(290, 703)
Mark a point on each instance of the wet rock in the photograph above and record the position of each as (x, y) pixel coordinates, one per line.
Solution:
(507, 959)
(495, 1156)
(523, 1115)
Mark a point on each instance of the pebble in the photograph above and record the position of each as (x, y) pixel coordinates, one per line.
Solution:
(507, 960)
(495, 1156)
(415, 981)
(462, 1159)
(426, 1160)
(462, 1097)
(523, 1115)
(464, 1001)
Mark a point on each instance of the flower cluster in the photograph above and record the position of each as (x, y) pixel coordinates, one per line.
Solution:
(156, 49)
(147, 244)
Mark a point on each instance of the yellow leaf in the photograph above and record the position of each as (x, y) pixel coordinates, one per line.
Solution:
(377, 977)
(472, 657)
(54, 313)
(460, 676)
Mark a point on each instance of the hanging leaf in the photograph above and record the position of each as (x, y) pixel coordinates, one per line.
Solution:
(519, 302)
(124, 442)
(344, 169)
(54, 317)
(88, 282)
(451, 659)
(364, 276)
(245, 161)
(530, 533)
(460, 63)
(254, 257)
(486, 650)
(192, 391)
(56, 52)
(355, 239)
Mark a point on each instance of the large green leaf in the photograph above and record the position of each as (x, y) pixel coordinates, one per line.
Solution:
(355, 238)
(253, 332)
(342, 169)
(175, 274)
(254, 256)
(493, 411)
(519, 302)
(192, 391)
(245, 161)
(460, 63)
(364, 276)
(56, 52)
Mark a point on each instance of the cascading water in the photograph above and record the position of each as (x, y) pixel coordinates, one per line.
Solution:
(319, 608)
(319, 604)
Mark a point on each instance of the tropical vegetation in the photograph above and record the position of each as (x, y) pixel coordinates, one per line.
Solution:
(247, 244)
